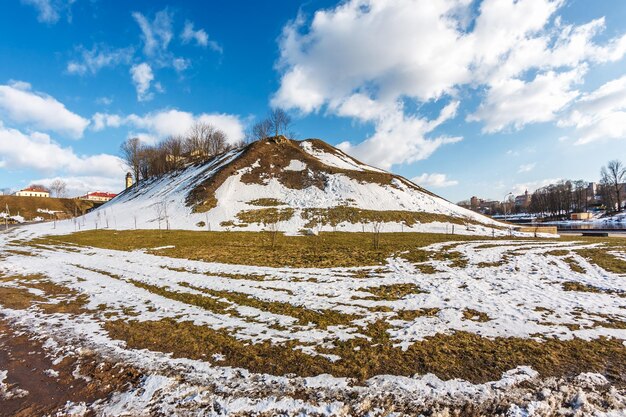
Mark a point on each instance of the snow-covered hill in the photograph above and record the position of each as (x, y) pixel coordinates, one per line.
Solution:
(285, 185)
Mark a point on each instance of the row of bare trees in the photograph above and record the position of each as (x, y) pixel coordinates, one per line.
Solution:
(202, 142)
(560, 199)
(612, 178)
(566, 197)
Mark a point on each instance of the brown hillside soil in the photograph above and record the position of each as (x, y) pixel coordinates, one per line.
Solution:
(27, 206)
(26, 364)
(273, 155)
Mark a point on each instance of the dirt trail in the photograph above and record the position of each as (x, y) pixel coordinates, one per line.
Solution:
(83, 378)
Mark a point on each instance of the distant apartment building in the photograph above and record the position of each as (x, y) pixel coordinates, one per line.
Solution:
(33, 191)
(98, 196)
(523, 201)
(481, 206)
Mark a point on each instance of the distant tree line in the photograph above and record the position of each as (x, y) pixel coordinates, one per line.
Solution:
(566, 197)
(201, 143)
(560, 199)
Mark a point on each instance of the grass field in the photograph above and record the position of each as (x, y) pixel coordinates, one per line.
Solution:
(455, 306)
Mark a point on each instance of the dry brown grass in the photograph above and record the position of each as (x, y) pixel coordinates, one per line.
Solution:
(265, 216)
(392, 292)
(460, 355)
(475, 315)
(331, 249)
(304, 316)
(56, 298)
(574, 265)
(605, 260)
(580, 287)
(336, 215)
(27, 206)
(266, 202)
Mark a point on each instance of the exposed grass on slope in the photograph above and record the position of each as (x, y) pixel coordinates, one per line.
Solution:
(265, 216)
(266, 202)
(27, 206)
(460, 355)
(335, 215)
(392, 292)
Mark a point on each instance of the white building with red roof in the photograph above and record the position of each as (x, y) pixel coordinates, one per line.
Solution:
(33, 191)
(98, 196)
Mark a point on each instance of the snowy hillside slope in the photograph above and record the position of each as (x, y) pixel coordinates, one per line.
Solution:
(290, 186)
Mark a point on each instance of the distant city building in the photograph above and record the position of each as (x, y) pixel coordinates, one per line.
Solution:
(33, 191)
(98, 196)
(481, 206)
(523, 201)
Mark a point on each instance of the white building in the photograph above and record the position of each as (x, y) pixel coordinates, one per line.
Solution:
(98, 196)
(33, 191)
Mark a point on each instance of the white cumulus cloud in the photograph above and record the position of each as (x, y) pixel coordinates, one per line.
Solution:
(364, 58)
(39, 152)
(81, 185)
(22, 105)
(600, 114)
(434, 180)
(171, 122)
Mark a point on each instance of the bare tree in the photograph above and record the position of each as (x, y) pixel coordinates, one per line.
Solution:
(281, 121)
(261, 130)
(58, 188)
(172, 147)
(377, 227)
(131, 151)
(204, 141)
(614, 174)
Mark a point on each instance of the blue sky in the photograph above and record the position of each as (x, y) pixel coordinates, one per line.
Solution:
(465, 97)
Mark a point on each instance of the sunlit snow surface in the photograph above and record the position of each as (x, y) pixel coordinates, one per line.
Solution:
(522, 296)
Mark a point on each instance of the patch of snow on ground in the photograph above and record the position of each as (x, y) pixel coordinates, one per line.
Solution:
(8, 391)
(517, 284)
(295, 165)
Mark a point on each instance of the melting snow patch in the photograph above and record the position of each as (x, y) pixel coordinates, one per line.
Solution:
(7, 391)
(295, 165)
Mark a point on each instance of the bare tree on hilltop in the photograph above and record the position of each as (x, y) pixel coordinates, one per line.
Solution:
(612, 176)
(58, 188)
(277, 123)
(131, 151)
